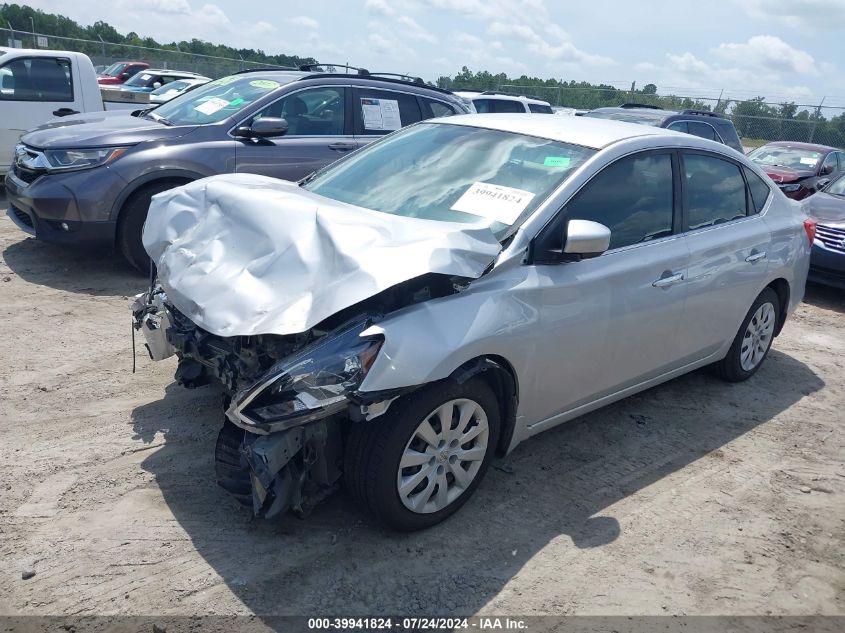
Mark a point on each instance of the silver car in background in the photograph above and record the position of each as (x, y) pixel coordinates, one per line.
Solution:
(461, 285)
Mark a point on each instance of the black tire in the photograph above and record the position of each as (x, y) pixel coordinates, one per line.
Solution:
(730, 367)
(131, 223)
(229, 465)
(374, 449)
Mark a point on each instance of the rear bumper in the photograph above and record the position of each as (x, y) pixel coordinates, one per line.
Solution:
(827, 266)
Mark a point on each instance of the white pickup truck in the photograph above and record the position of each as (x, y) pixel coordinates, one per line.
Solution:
(38, 85)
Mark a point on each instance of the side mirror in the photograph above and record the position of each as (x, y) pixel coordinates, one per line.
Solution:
(584, 239)
(156, 84)
(827, 170)
(263, 127)
(821, 183)
(123, 76)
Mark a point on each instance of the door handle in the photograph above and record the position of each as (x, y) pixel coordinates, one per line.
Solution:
(64, 112)
(756, 257)
(665, 282)
(341, 147)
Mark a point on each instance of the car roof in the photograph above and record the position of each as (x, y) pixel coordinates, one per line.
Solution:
(593, 133)
(808, 146)
(472, 94)
(186, 73)
(364, 78)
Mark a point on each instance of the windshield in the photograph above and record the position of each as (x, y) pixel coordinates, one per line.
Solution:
(775, 156)
(453, 173)
(218, 100)
(643, 118)
(143, 79)
(173, 86)
(114, 70)
(837, 187)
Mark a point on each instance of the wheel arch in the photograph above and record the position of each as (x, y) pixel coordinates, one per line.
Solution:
(181, 176)
(501, 377)
(782, 289)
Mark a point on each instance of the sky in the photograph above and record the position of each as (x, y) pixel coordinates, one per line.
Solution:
(782, 49)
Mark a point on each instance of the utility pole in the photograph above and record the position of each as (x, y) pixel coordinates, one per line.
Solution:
(816, 121)
(102, 44)
(719, 100)
(34, 38)
(633, 88)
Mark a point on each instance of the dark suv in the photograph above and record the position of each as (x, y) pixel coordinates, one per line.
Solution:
(696, 122)
(88, 179)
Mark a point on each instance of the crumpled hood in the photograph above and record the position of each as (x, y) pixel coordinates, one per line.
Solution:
(241, 254)
(826, 208)
(785, 174)
(100, 129)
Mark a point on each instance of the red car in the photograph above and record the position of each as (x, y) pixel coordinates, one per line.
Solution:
(799, 169)
(119, 72)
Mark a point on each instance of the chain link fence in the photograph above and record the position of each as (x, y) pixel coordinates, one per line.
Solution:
(810, 123)
(106, 53)
(756, 121)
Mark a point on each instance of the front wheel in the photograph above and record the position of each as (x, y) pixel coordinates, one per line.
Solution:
(754, 339)
(131, 224)
(421, 461)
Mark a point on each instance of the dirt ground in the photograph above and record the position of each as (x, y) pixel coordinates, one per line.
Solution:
(697, 497)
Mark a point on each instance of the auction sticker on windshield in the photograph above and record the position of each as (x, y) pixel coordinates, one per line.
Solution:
(215, 104)
(808, 161)
(494, 202)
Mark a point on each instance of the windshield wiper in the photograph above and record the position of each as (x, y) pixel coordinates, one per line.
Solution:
(149, 114)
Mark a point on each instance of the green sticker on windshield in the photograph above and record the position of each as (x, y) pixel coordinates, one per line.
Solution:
(556, 161)
(264, 84)
(236, 102)
(224, 81)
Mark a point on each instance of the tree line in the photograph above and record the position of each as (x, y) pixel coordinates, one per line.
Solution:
(754, 118)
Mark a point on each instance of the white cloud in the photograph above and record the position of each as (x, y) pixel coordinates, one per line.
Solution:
(770, 52)
(304, 21)
(803, 14)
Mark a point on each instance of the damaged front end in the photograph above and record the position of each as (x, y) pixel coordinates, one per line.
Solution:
(288, 399)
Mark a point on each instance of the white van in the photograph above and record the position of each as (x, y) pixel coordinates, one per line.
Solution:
(38, 85)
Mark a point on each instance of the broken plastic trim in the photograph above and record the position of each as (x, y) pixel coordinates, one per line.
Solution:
(310, 385)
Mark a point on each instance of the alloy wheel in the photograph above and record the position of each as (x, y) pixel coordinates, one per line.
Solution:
(758, 337)
(443, 456)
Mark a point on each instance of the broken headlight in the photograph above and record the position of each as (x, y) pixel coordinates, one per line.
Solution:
(310, 385)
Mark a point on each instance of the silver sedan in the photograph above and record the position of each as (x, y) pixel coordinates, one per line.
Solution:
(463, 284)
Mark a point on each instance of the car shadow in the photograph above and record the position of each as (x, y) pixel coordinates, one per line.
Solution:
(560, 484)
(826, 297)
(73, 269)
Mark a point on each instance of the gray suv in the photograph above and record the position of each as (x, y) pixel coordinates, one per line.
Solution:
(701, 123)
(88, 179)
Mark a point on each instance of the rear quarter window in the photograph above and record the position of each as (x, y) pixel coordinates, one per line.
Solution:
(760, 191)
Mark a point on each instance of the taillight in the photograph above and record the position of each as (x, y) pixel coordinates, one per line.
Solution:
(810, 227)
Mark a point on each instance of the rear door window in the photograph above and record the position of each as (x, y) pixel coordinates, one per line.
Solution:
(433, 108)
(37, 79)
(704, 130)
(714, 191)
(678, 126)
(507, 106)
(540, 108)
(380, 112)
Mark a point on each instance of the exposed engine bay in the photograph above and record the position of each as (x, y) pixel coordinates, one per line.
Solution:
(288, 399)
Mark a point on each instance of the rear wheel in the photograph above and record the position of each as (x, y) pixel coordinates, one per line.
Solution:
(131, 224)
(421, 461)
(753, 341)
